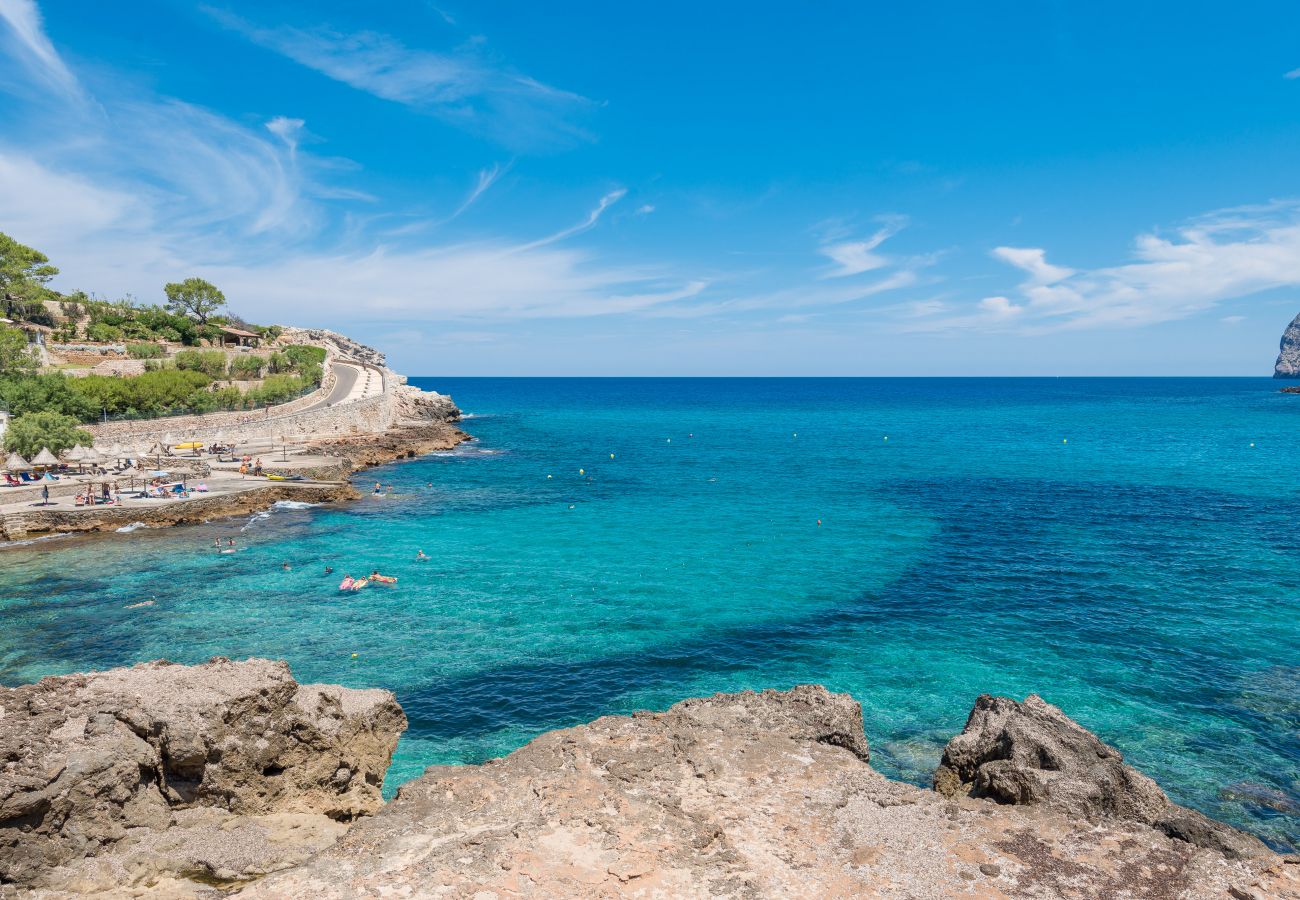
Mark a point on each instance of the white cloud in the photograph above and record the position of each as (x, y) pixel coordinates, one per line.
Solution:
(1232, 320)
(645, 209)
(288, 130)
(1033, 261)
(459, 86)
(1221, 256)
(1002, 307)
(1292, 75)
(856, 257)
(27, 32)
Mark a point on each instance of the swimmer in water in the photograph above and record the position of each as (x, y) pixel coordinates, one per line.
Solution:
(419, 554)
(379, 489)
(285, 566)
(329, 569)
(230, 542)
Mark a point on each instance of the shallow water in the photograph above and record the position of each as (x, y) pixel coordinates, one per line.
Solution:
(1116, 545)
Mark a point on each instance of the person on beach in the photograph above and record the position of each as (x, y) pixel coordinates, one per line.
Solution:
(45, 495)
(257, 467)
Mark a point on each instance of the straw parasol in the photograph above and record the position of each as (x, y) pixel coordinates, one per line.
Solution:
(45, 458)
(16, 463)
(76, 453)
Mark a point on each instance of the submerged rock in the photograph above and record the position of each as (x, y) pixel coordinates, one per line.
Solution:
(1033, 754)
(88, 762)
(1288, 357)
(740, 795)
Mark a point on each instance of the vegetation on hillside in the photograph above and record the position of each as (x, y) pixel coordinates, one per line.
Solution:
(47, 408)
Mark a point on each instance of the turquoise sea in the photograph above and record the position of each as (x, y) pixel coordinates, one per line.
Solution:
(1128, 548)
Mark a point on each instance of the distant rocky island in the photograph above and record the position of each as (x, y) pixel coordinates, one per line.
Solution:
(174, 781)
(1288, 357)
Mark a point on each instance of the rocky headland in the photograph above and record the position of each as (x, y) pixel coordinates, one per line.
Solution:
(229, 777)
(1288, 357)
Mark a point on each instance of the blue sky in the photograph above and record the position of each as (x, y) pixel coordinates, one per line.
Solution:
(670, 188)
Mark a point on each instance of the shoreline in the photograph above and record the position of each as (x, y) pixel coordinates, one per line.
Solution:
(352, 454)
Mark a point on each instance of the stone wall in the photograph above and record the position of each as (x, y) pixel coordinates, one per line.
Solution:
(234, 423)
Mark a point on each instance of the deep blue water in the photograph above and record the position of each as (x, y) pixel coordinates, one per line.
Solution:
(1128, 548)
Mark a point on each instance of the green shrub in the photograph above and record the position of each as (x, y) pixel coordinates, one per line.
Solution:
(210, 362)
(146, 351)
(301, 355)
(245, 368)
(29, 433)
(50, 393)
(277, 389)
(104, 332)
(151, 394)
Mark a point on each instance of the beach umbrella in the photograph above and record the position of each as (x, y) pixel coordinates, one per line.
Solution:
(45, 458)
(76, 453)
(16, 463)
(117, 451)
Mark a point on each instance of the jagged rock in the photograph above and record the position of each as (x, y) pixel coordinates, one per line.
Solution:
(1031, 753)
(738, 795)
(1288, 357)
(89, 760)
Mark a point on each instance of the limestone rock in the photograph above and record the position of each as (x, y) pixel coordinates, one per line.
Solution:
(1288, 357)
(89, 760)
(1031, 753)
(738, 795)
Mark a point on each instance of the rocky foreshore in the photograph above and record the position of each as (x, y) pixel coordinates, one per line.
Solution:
(175, 781)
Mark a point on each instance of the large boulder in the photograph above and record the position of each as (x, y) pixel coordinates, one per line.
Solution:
(88, 760)
(1288, 357)
(1031, 753)
(743, 795)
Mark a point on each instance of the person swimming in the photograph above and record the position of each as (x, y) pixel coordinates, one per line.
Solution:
(285, 566)
(329, 570)
(379, 489)
(419, 554)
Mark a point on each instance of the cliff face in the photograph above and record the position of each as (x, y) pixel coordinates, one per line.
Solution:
(1288, 358)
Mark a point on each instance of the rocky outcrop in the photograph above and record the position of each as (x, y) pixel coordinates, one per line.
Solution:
(1033, 754)
(416, 407)
(1288, 357)
(741, 795)
(254, 770)
(341, 343)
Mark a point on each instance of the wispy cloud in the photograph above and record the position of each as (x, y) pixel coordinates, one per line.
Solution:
(1292, 75)
(288, 130)
(1220, 256)
(460, 86)
(486, 178)
(26, 33)
(592, 218)
(853, 257)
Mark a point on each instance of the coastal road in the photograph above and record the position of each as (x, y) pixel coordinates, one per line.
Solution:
(351, 383)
